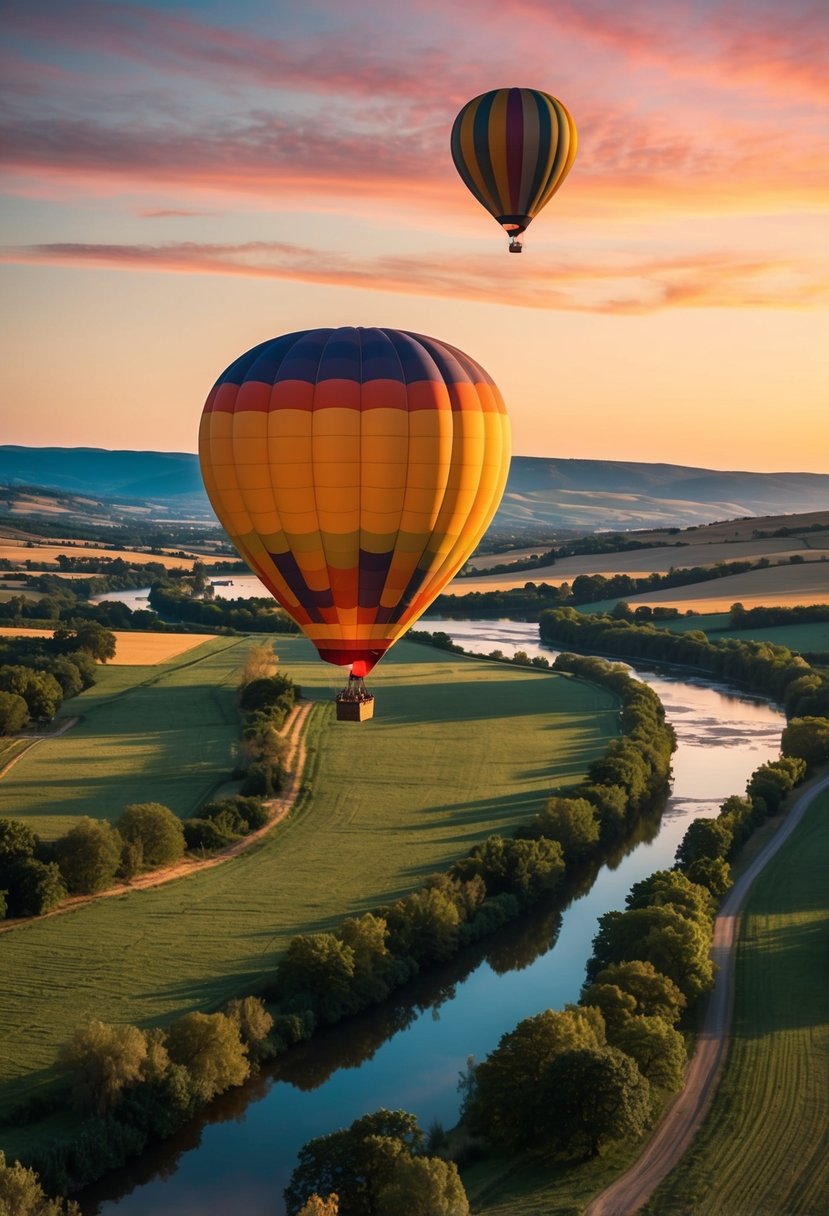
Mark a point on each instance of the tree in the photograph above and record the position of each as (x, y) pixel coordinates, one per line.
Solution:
(676, 945)
(655, 994)
(321, 1207)
(33, 887)
(260, 663)
(525, 868)
(88, 856)
(713, 873)
(22, 1195)
(255, 1025)
(14, 713)
(210, 1048)
(39, 689)
(703, 838)
(321, 966)
(674, 888)
(593, 1095)
(615, 1004)
(423, 1186)
(657, 1048)
(90, 637)
(355, 1163)
(807, 738)
(16, 840)
(103, 1061)
(506, 1102)
(572, 822)
(156, 830)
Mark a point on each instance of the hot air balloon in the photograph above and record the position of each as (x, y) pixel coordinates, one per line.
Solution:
(513, 149)
(355, 470)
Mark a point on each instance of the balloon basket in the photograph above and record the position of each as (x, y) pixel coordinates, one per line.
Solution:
(354, 703)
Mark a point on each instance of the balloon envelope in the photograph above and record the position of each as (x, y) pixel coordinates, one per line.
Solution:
(513, 149)
(355, 470)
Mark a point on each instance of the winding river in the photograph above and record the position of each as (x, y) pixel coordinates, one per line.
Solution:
(409, 1052)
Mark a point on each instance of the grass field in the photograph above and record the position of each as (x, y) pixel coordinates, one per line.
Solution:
(162, 734)
(459, 748)
(764, 1148)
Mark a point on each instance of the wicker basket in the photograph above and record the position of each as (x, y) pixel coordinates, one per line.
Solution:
(355, 711)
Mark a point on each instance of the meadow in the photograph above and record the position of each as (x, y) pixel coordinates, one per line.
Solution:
(458, 749)
(764, 1147)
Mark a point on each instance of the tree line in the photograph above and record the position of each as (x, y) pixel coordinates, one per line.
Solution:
(775, 671)
(38, 674)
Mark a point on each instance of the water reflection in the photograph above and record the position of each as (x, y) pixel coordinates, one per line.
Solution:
(409, 1052)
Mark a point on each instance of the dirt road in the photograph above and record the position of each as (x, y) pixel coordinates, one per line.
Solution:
(676, 1131)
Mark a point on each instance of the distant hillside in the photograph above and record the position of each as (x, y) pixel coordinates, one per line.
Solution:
(600, 494)
(591, 495)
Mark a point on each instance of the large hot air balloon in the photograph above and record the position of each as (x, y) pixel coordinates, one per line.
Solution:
(355, 471)
(513, 149)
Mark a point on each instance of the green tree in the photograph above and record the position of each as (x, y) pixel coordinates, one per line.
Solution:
(423, 1186)
(572, 822)
(657, 1048)
(14, 713)
(703, 838)
(506, 1102)
(592, 1096)
(39, 689)
(525, 868)
(32, 887)
(255, 1025)
(321, 966)
(22, 1195)
(674, 888)
(155, 830)
(677, 946)
(713, 873)
(88, 856)
(655, 994)
(808, 739)
(16, 840)
(355, 1163)
(103, 1060)
(210, 1048)
(615, 1004)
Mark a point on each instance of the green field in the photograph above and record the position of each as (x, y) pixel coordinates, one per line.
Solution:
(459, 748)
(764, 1148)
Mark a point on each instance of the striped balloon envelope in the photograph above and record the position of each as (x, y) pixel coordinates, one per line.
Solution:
(355, 470)
(513, 149)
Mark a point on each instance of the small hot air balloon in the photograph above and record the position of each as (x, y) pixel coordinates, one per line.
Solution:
(513, 149)
(355, 470)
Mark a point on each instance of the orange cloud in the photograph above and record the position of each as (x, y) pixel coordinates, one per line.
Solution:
(624, 286)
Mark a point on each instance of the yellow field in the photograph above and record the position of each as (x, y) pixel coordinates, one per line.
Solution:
(134, 649)
(21, 551)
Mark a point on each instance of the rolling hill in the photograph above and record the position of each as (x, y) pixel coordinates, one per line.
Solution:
(542, 492)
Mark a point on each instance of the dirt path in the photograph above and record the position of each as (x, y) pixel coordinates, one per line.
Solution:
(684, 1116)
(294, 732)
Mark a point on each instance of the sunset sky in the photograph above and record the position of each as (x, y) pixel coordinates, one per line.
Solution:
(184, 180)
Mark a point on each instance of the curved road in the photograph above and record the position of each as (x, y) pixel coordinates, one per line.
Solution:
(676, 1131)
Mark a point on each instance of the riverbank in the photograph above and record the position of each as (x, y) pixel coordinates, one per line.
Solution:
(380, 821)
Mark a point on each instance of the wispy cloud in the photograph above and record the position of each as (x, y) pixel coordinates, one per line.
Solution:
(619, 286)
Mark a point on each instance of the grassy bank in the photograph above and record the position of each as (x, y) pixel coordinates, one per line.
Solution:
(459, 749)
(764, 1147)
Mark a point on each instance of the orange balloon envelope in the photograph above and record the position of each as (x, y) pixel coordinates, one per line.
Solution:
(513, 149)
(355, 470)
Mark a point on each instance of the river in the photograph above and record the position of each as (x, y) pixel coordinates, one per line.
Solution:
(409, 1052)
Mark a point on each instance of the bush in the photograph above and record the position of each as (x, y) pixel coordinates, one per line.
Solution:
(156, 830)
(89, 856)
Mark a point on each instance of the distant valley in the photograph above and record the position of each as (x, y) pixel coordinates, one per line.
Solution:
(542, 493)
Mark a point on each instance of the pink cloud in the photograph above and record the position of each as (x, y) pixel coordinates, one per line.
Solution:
(614, 286)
